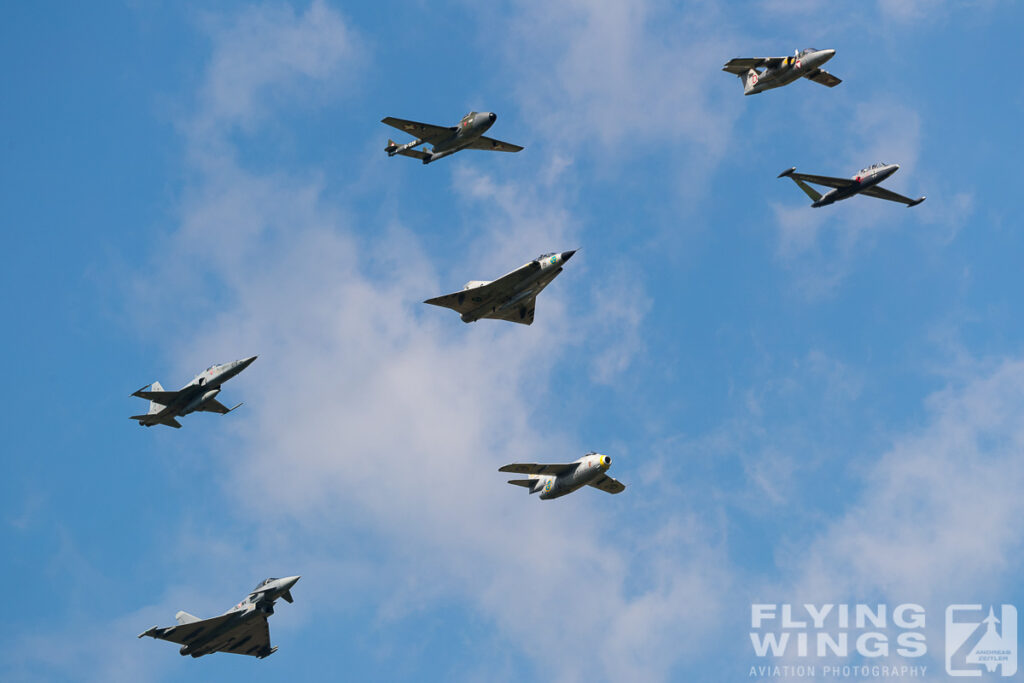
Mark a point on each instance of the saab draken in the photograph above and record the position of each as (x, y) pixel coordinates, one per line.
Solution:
(447, 140)
(865, 182)
(556, 480)
(780, 71)
(198, 395)
(242, 630)
(511, 297)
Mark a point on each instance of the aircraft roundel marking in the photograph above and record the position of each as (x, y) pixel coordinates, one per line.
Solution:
(798, 63)
(753, 79)
(553, 259)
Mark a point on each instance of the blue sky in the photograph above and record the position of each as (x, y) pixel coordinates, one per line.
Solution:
(806, 404)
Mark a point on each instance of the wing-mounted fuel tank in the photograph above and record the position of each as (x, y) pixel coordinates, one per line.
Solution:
(200, 400)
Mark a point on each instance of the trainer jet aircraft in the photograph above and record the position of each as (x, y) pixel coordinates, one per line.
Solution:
(446, 140)
(866, 182)
(780, 71)
(555, 480)
(242, 630)
(511, 297)
(198, 395)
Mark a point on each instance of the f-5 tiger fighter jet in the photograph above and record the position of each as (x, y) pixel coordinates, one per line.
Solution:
(242, 630)
(447, 140)
(556, 480)
(780, 71)
(511, 297)
(865, 182)
(198, 395)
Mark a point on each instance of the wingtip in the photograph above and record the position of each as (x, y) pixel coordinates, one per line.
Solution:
(916, 202)
(787, 172)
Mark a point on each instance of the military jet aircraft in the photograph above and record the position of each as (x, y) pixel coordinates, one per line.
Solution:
(469, 134)
(242, 630)
(780, 71)
(511, 297)
(866, 182)
(553, 481)
(198, 395)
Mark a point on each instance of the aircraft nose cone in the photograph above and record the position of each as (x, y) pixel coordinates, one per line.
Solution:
(828, 54)
(492, 116)
(291, 581)
(248, 361)
(566, 255)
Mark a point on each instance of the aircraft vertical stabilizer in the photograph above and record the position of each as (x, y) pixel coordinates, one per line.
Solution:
(155, 407)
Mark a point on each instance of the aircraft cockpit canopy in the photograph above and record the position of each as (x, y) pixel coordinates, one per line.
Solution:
(261, 584)
(872, 167)
(544, 256)
(468, 117)
(808, 50)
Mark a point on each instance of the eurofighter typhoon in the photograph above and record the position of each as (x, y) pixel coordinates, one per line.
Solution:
(447, 140)
(556, 480)
(780, 71)
(242, 630)
(511, 297)
(198, 395)
(865, 182)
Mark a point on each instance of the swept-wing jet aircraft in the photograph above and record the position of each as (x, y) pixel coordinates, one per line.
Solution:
(198, 395)
(242, 630)
(511, 297)
(865, 182)
(555, 480)
(446, 140)
(780, 71)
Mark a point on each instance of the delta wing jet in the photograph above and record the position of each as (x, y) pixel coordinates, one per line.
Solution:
(511, 297)
(865, 182)
(198, 395)
(556, 480)
(779, 71)
(447, 140)
(242, 630)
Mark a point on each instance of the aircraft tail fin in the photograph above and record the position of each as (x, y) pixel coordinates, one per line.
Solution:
(186, 618)
(155, 407)
(749, 80)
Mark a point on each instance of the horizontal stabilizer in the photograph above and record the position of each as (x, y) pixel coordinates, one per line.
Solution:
(526, 483)
(186, 618)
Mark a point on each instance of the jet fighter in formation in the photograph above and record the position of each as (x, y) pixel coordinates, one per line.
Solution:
(198, 395)
(556, 480)
(511, 297)
(865, 182)
(780, 71)
(447, 140)
(242, 630)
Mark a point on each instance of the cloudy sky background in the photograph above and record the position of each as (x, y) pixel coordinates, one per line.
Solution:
(806, 405)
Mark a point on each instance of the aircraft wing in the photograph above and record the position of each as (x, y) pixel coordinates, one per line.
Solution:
(251, 639)
(608, 484)
(214, 406)
(827, 181)
(742, 65)
(823, 77)
(534, 468)
(879, 192)
(424, 131)
(184, 633)
(461, 302)
(484, 142)
(162, 397)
